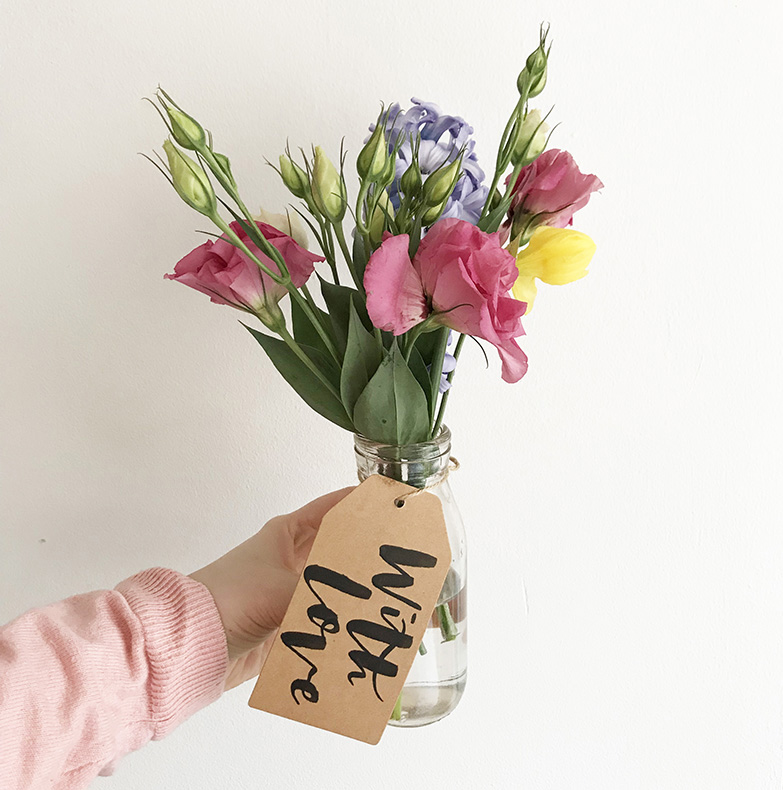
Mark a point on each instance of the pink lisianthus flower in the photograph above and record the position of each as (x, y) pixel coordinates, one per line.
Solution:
(460, 278)
(229, 277)
(549, 192)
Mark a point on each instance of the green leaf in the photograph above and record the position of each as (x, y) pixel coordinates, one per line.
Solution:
(338, 300)
(393, 408)
(422, 375)
(325, 364)
(362, 358)
(306, 384)
(304, 331)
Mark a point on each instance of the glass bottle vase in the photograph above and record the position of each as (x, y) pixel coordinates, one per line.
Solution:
(436, 680)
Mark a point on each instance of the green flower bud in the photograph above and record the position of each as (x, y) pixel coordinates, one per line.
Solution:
(187, 131)
(530, 140)
(440, 184)
(225, 166)
(190, 181)
(294, 177)
(410, 183)
(383, 210)
(329, 191)
(387, 176)
(533, 76)
(372, 160)
(432, 214)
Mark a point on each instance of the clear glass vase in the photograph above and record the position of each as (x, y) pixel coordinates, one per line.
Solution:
(436, 680)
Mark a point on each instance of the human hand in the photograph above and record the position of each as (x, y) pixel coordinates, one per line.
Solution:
(253, 584)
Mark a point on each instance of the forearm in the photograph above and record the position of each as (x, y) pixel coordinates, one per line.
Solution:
(91, 678)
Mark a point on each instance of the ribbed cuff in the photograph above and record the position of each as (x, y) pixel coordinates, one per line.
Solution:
(184, 640)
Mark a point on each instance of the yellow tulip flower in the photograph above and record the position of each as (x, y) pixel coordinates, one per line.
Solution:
(555, 256)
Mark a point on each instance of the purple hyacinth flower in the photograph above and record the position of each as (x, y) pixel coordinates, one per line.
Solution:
(449, 363)
(442, 139)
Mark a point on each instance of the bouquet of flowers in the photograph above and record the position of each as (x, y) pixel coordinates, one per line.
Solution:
(368, 336)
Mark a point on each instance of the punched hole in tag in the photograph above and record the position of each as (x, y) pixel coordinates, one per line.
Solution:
(452, 467)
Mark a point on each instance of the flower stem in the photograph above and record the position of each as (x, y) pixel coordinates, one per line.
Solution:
(411, 337)
(317, 325)
(436, 370)
(297, 349)
(485, 210)
(338, 229)
(448, 628)
(396, 714)
(311, 301)
(445, 398)
(331, 258)
(325, 332)
(503, 157)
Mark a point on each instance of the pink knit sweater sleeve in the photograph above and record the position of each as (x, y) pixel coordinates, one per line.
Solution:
(91, 678)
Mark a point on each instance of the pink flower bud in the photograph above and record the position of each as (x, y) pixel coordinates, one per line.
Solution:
(228, 276)
(550, 191)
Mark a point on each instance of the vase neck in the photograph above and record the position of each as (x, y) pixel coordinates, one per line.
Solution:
(419, 465)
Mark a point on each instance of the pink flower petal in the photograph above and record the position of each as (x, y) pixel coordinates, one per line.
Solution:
(514, 361)
(395, 298)
(467, 275)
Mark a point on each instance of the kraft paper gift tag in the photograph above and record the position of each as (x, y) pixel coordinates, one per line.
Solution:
(359, 611)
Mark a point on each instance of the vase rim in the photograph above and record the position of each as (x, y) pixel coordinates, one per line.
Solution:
(442, 442)
(421, 464)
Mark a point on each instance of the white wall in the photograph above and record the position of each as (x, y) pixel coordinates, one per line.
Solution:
(623, 501)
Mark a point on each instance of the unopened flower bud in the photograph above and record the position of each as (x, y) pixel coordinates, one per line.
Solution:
(440, 184)
(225, 167)
(294, 177)
(432, 214)
(371, 162)
(383, 210)
(531, 139)
(387, 176)
(410, 183)
(328, 187)
(533, 76)
(190, 180)
(187, 131)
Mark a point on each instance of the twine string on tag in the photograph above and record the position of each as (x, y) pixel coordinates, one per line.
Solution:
(452, 467)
